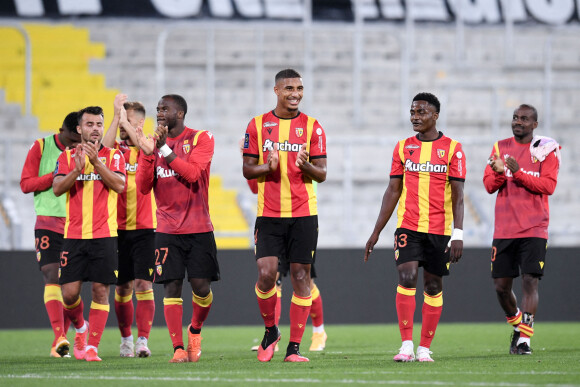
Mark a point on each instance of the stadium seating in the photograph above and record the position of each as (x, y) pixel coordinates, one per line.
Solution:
(364, 112)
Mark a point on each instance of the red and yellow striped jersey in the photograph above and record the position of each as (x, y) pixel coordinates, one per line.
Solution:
(426, 168)
(91, 206)
(287, 192)
(135, 211)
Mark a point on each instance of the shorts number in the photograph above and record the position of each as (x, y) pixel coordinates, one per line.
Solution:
(493, 253)
(157, 255)
(63, 258)
(400, 241)
(43, 243)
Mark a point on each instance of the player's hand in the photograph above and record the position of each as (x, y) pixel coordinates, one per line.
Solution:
(123, 117)
(302, 156)
(241, 146)
(273, 158)
(456, 248)
(120, 99)
(496, 163)
(160, 135)
(512, 164)
(370, 246)
(146, 143)
(92, 151)
(79, 158)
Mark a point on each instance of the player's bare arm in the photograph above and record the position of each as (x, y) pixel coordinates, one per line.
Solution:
(253, 170)
(390, 200)
(316, 169)
(145, 143)
(113, 180)
(111, 135)
(63, 183)
(127, 127)
(456, 246)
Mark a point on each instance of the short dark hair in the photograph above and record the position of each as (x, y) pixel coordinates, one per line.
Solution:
(96, 110)
(533, 109)
(287, 73)
(70, 122)
(430, 98)
(135, 106)
(179, 100)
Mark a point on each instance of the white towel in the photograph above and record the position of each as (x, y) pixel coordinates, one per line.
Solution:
(542, 146)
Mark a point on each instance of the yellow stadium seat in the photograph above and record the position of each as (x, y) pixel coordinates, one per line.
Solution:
(231, 228)
(61, 81)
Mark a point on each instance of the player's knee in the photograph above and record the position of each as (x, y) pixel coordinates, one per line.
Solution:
(408, 279)
(502, 290)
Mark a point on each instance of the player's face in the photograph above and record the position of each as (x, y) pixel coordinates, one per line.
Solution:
(71, 137)
(136, 120)
(289, 92)
(167, 113)
(523, 123)
(423, 116)
(91, 127)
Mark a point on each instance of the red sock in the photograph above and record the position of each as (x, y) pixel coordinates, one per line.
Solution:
(526, 327)
(124, 311)
(98, 315)
(201, 307)
(267, 305)
(405, 303)
(299, 310)
(74, 313)
(278, 309)
(145, 312)
(54, 309)
(432, 308)
(316, 313)
(526, 331)
(173, 310)
(515, 320)
(66, 319)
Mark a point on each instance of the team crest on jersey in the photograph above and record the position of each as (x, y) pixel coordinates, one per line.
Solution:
(441, 153)
(103, 160)
(299, 132)
(159, 269)
(186, 146)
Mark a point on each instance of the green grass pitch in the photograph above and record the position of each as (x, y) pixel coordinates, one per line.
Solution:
(465, 355)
